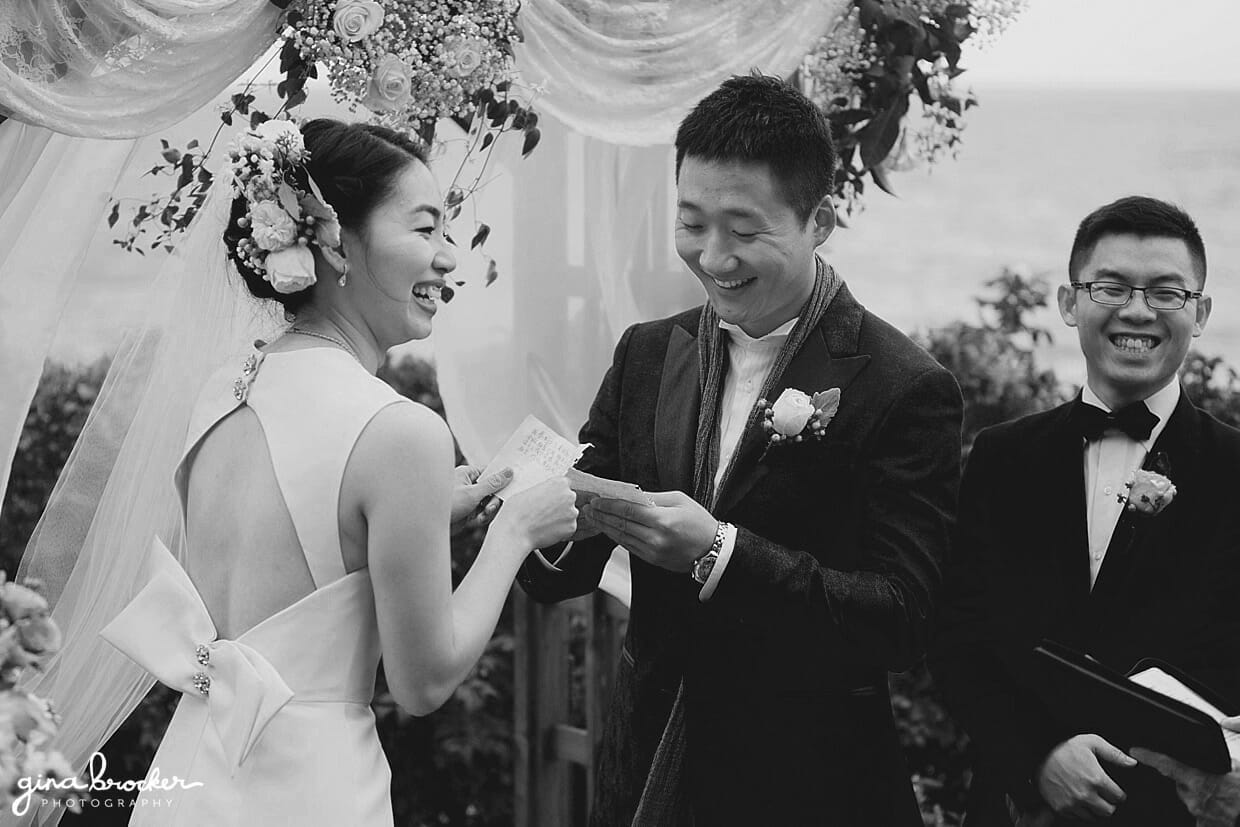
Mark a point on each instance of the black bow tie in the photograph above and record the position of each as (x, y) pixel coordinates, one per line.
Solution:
(1136, 420)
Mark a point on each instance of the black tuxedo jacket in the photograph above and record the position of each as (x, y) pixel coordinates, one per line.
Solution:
(1019, 573)
(830, 585)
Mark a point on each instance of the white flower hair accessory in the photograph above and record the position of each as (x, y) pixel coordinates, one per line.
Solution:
(285, 210)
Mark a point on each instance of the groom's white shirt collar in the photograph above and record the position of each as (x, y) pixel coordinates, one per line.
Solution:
(741, 337)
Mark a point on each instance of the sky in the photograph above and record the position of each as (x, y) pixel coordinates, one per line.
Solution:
(1134, 43)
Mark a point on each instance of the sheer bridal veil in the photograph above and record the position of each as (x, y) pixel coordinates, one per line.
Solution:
(116, 492)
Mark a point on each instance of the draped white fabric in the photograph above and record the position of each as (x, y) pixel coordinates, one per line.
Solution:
(124, 68)
(55, 191)
(583, 240)
(627, 72)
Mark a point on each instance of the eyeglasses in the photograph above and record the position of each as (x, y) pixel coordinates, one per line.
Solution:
(1114, 294)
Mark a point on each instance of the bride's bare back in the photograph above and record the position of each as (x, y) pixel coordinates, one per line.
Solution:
(244, 555)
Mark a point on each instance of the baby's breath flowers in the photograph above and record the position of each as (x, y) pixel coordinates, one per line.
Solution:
(411, 62)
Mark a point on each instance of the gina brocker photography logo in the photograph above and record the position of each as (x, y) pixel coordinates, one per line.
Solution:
(76, 793)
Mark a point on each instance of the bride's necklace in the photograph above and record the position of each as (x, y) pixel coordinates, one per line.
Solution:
(324, 336)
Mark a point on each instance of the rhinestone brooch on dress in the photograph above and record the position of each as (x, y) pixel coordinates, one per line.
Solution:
(202, 682)
(202, 654)
(241, 387)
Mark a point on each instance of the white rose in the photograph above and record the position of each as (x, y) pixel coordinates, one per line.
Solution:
(274, 228)
(356, 19)
(791, 411)
(290, 269)
(1148, 492)
(466, 53)
(391, 86)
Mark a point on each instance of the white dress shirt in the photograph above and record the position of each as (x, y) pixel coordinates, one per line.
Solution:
(749, 362)
(1110, 462)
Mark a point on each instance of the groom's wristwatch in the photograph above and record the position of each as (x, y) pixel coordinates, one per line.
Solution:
(704, 565)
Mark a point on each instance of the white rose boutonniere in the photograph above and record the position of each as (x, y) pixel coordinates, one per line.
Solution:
(1149, 492)
(356, 19)
(791, 412)
(290, 269)
(796, 415)
(391, 86)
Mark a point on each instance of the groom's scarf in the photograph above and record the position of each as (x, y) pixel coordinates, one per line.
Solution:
(665, 797)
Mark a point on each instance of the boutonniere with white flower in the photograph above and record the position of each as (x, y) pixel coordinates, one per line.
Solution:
(1148, 492)
(796, 416)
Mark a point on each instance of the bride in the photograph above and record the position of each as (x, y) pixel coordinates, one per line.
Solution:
(317, 504)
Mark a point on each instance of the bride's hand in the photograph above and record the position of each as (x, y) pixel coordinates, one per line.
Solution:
(543, 515)
(472, 502)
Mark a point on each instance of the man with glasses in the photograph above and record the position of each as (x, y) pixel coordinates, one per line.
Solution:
(1047, 547)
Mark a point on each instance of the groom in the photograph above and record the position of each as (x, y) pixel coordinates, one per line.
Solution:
(773, 587)
(1046, 549)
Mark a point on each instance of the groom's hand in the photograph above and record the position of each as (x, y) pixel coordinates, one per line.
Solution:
(1072, 781)
(670, 534)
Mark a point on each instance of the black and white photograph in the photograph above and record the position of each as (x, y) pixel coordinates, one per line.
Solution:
(619, 413)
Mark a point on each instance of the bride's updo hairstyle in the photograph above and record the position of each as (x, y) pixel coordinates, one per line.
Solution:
(355, 166)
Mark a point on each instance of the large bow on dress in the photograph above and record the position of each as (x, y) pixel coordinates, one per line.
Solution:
(167, 630)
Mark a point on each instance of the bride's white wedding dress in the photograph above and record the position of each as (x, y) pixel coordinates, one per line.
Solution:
(275, 726)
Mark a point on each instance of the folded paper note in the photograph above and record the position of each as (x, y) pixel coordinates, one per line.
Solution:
(535, 453)
(584, 483)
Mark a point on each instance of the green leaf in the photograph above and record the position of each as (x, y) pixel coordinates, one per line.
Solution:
(492, 274)
(241, 102)
(114, 214)
(488, 139)
(480, 237)
(187, 172)
(880, 135)
(847, 117)
(879, 174)
(257, 117)
(532, 137)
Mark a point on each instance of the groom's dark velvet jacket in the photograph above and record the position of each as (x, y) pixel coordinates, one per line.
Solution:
(831, 584)
(1019, 572)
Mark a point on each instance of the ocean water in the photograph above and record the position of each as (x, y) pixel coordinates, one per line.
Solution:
(1032, 164)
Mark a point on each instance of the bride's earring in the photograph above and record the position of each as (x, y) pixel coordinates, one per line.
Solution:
(344, 274)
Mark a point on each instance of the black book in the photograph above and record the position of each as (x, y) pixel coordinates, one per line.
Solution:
(1090, 697)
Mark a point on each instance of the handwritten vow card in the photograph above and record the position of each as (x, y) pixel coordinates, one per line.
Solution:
(536, 453)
